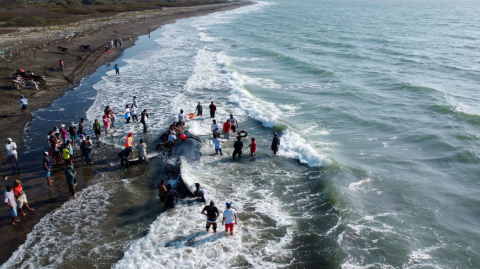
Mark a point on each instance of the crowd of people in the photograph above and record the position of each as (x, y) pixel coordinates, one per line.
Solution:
(63, 141)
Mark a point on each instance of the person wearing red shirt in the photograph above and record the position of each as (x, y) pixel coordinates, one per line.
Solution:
(253, 147)
(21, 197)
(227, 126)
(213, 108)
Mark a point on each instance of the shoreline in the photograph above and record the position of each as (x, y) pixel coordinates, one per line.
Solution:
(46, 199)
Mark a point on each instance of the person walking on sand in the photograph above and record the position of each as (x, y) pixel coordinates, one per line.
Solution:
(21, 197)
(135, 101)
(238, 148)
(144, 121)
(67, 156)
(212, 108)
(9, 199)
(61, 65)
(275, 144)
(142, 152)
(161, 190)
(229, 218)
(217, 142)
(81, 127)
(116, 43)
(212, 215)
(24, 104)
(47, 167)
(234, 123)
(127, 113)
(97, 129)
(253, 147)
(117, 69)
(73, 133)
(70, 174)
(63, 133)
(170, 196)
(133, 113)
(111, 43)
(106, 124)
(214, 128)
(107, 49)
(120, 42)
(199, 109)
(226, 129)
(12, 153)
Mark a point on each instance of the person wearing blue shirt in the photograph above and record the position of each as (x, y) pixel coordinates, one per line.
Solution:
(117, 69)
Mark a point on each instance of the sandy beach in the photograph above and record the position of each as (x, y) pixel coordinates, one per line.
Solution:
(40, 56)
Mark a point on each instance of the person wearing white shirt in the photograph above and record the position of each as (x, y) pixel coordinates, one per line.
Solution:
(24, 104)
(217, 142)
(229, 218)
(181, 117)
(215, 128)
(135, 102)
(9, 199)
(133, 113)
(12, 153)
(233, 122)
(127, 113)
(172, 137)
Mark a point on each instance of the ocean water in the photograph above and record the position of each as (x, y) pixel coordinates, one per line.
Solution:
(376, 105)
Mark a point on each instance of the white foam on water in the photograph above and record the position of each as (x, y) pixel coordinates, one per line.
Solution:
(360, 185)
(293, 146)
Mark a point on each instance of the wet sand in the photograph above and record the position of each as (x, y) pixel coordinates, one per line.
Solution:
(42, 197)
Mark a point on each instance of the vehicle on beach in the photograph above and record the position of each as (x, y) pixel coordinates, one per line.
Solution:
(61, 49)
(83, 48)
(28, 75)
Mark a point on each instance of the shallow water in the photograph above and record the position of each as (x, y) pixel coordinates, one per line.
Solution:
(375, 104)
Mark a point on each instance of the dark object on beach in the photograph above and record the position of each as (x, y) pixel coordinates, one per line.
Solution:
(84, 48)
(242, 134)
(123, 155)
(62, 50)
(40, 79)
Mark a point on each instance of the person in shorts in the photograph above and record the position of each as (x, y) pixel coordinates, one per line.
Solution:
(21, 197)
(229, 218)
(9, 199)
(217, 142)
(212, 215)
(47, 167)
(24, 104)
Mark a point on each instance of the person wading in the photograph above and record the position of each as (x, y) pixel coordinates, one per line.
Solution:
(275, 143)
(212, 108)
(212, 215)
(229, 218)
(170, 196)
(129, 143)
(144, 121)
(238, 148)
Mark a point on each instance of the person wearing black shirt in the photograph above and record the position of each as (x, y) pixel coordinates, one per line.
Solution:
(212, 215)
(275, 143)
(213, 108)
(199, 193)
(81, 127)
(238, 147)
(170, 197)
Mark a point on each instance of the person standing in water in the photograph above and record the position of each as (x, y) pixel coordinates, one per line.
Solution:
(161, 190)
(212, 215)
(133, 113)
(212, 108)
(127, 113)
(117, 69)
(170, 196)
(226, 129)
(97, 129)
(106, 124)
(47, 167)
(144, 121)
(217, 142)
(253, 147)
(81, 127)
(214, 128)
(135, 101)
(67, 157)
(199, 109)
(238, 148)
(24, 104)
(233, 122)
(181, 117)
(73, 133)
(275, 144)
(199, 193)
(229, 218)
(70, 178)
(142, 152)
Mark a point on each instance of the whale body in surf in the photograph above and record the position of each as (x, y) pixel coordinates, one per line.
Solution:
(188, 151)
